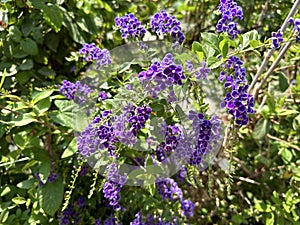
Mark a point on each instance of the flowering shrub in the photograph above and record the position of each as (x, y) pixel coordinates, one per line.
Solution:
(133, 136)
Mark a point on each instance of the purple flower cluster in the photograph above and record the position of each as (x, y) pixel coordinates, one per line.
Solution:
(200, 73)
(163, 23)
(75, 91)
(168, 189)
(69, 215)
(207, 133)
(137, 220)
(151, 220)
(238, 102)
(230, 10)
(91, 52)
(296, 23)
(97, 222)
(161, 75)
(277, 38)
(130, 122)
(113, 186)
(130, 26)
(111, 221)
(111, 193)
(98, 135)
(172, 136)
(188, 208)
(80, 202)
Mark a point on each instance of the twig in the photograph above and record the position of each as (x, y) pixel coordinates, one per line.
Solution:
(271, 51)
(284, 142)
(272, 67)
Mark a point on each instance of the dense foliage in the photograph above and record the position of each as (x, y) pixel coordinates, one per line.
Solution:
(57, 58)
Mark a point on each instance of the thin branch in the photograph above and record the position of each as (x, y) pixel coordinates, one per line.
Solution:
(271, 51)
(284, 142)
(272, 67)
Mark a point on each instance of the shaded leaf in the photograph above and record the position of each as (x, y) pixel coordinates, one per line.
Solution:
(29, 46)
(261, 129)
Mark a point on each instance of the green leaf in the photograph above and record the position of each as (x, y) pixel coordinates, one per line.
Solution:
(71, 149)
(270, 219)
(27, 64)
(29, 46)
(53, 16)
(65, 105)
(283, 83)
(15, 33)
(196, 46)
(180, 112)
(73, 29)
(52, 41)
(44, 170)
(10, 69)
(19, 200)
(208, 51)
(211, 39)
(254, 43)
(27, 26)
(42, 106)
(47, 71)
(51, 196)
(23, 120)
(224, 46)
(286, 155)
(38, 96)
(63, 118)
(26, 184)
(261, 129)
(37, 35)
(286, 112)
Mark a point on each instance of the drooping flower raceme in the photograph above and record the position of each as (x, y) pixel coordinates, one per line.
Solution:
(130, 122)
(75, 91)
(161, 75)
(164, 23)
(296, 23)
(99, 135)
(230, 10)
(91, 52)
(237, 101)
(113, 186)
(172, 135)
(277, 38)
(207, 135)
(130, 26)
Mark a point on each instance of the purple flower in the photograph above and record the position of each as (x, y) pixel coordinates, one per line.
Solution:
(80, 202)
(102, 95)
(168, 189)
(99, 135)
(75, 91)
(52, 177)
(230, 10)
(130, 122)
(296, 23)
(237, 100)
(130, 26)
(111, 221)
(188, 208)
(92, 53)
(277, 39)
(163, 23)
(161, 75)
(83, 171)
(172, 135)
(97, 222)
(137, 220)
